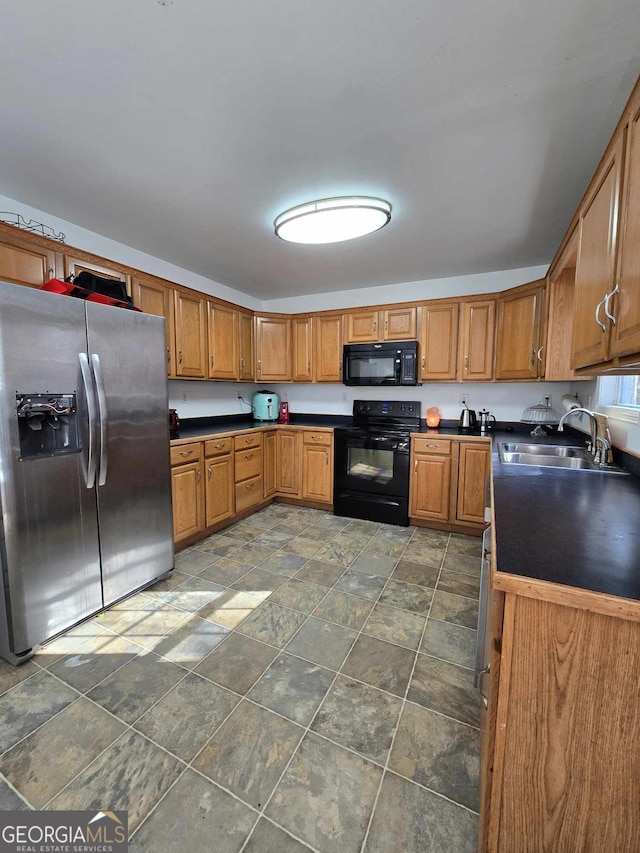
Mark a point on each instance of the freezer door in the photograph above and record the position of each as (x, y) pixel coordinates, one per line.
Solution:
(49, 535)
(127, 351)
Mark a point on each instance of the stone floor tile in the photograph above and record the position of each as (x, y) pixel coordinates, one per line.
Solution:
(326, 797)
(445, 687)
(358, 583)
(324, 574)
(457, 583)
(359, 717)
(396, 626)
(95, 660)
(41, 765)
(380, 664)
(133, 688)
(439, 753)
(148, 626)
(193, 561)
(259, 582)
(284, 564)
(237, 663)
(407, 596)
(273, 538)
(450, 642)
(10, 801)
(303, 547)
(191, 641)
(461, 544)
(465, 563)
(416, 573)
(12, 675)
(248, 754)
(455, 608)
(423, 554)
(30, 704)
(160, 587)
(231, 607)
(244, 530)
(225, 571)
(348, 610)
(438, 539)
(322, 642)
(272, 624)
(339, 553)
(220, 545)
(299, 595)
(193, 594)
(132, 774)
(195, 816)
(374, 565)
(268, 838)
(391, 549)
(293, 688)
(185, 719)
(252, 555)
(408, 818)
(333, 522)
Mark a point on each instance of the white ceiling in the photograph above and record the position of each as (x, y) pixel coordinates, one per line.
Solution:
(182, 127)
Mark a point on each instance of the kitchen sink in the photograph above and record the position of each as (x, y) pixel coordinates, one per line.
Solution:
(553, 456)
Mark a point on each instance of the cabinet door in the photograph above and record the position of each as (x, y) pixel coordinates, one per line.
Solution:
(477, 324)
(219, 489)
(223, 342)
(362, 326)
(24, 262)
(626, 307)
(288, 463)
(519, 348)
(399, 324)
(429, 488)
(439, 341)
(595, 269)
(473, 467)
(188, 503)
(74, 266)
(191, 340)
(154, 297)
(273, 346)
(302, 351)
(269, 462)
(246, 351)
(327, 364)
(317, 473)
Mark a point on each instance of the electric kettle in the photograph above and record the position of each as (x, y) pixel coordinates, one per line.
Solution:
(265, 406)
(468, 418)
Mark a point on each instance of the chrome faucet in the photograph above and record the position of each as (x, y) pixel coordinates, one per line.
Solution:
(600, 444)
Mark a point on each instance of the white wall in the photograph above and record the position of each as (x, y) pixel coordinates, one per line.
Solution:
(89, 241)
(197, 399)
(410, 291)
(505, 400)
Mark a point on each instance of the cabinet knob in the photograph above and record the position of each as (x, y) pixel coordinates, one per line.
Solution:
(185, 452)
(248, 455)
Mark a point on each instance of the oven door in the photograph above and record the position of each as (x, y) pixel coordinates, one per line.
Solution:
(372, 464)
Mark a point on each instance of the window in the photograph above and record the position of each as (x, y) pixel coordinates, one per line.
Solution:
(628, 391)
(619, 397)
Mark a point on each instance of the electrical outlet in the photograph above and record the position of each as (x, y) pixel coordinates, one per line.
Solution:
(344, 396)
(550, 396)
(464, 399)
(184, 396)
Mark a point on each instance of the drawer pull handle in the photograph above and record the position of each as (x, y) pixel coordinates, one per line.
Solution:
(432, 445)
(209, 472)
(248, 455)
(540, 353)
(219, 446)
(327, 455)
(198, 476)
(211, 361)
(248, 441)
(180, 356)
(249, 485)
(186, 452)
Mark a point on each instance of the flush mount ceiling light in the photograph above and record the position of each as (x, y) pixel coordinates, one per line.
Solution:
(332, 220)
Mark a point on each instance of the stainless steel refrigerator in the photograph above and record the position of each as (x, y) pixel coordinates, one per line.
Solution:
(85, 490)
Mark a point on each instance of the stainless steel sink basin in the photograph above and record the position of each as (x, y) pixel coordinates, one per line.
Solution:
(553, 456)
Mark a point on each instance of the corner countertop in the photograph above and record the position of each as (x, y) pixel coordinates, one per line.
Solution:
(576, 528)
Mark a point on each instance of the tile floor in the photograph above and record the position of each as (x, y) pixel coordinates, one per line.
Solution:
(301, 682)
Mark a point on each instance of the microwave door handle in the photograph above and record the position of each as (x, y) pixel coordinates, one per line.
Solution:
(102, 415)
(87, 382)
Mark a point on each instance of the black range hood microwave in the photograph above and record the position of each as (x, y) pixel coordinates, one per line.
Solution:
(390, 363)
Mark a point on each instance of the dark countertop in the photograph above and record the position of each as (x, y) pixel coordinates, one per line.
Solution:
(578, 528)
(200, 427)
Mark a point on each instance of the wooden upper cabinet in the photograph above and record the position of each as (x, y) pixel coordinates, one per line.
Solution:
(246, 349)
(477, 330)
(595, 269)
(273, 349)
(22, 261)
(154, 297)
(73, 266)
(362, 326)
(302, 349)
(327, 362)
(191, 334)
(519, 348)
(625, 334)
(223, 342)
(399, 324)
(439, 341)
(473, 467)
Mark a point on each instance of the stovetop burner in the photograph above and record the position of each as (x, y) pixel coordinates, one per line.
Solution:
(387, 416)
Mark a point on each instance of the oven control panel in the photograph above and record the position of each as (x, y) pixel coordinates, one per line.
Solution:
(388, 408)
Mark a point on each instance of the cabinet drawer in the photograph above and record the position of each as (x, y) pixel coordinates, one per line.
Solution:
(250, 439)
(215, 447)
(248, 463)
(248, 493)
(432, 445)
(186, 453)
(321, 438)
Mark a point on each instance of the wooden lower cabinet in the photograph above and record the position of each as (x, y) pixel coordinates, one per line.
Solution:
(288, 479)
(219, 489)
(269, 464)
(317, 467)
(430, 487)
(564, 764)
(188, 500)
(473, 467)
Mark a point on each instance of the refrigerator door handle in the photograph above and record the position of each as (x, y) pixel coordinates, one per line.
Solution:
(85, 370)
(102, 414)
